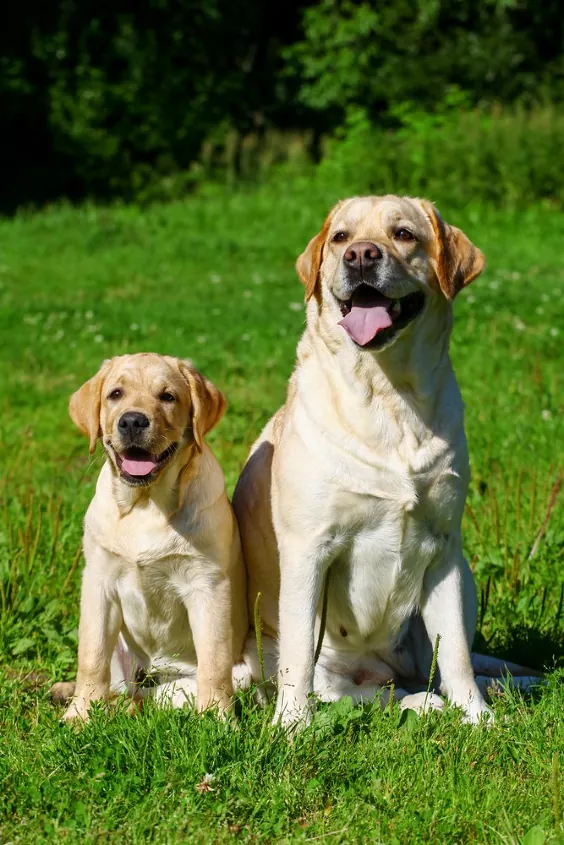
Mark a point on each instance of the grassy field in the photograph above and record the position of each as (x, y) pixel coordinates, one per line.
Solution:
(213, 279)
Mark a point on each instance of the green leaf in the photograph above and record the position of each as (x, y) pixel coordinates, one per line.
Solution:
(534, 836)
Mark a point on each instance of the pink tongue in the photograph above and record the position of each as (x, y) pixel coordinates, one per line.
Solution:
(366, 319)
(138, 467)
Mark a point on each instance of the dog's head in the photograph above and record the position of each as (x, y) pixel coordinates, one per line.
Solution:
(146, 408)
(378, 262)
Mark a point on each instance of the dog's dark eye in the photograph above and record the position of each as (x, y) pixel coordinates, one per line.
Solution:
(167, 397)
(404, 235)
(116, 394)
(339, 237)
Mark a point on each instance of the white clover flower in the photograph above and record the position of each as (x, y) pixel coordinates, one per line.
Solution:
(545, 414)
(215, 279)
(295, 306)
(519, 324)
(98, 338)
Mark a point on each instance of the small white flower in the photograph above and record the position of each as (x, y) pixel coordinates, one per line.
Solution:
(59, 335)
(247, 294)
(98, 338)
(545, 297)
(215, 279)
(470, 298)
(519, 324)
(205, 784)
(89, 315)
(494, 285)
(295, 306)
(134, 327)
(257, 280)
(554, 331)
(201, 338)
(245, 337)
(545, 414)
(515, 276)
(539, 309)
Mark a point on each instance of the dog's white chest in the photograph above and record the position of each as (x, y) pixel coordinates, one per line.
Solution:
(151, 570)
(391, 527)
(155, 618)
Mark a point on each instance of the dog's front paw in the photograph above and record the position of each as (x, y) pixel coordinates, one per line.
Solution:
(477, 712)
(468, 697)
(293, 714)
(77, 712)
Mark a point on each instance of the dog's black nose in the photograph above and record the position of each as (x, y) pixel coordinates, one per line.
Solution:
(132, 423)
(362, 255)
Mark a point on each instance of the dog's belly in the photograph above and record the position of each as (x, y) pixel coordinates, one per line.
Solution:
(376, 582)
(156, 626)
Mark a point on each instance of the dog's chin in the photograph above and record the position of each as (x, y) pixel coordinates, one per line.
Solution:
(373, 321)
(139, 467)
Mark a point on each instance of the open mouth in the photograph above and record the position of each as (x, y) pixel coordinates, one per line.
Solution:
(371, 319)
(138, 466)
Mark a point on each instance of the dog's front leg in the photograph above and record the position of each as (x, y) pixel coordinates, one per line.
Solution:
(209, 614)
(301, 581)
(100, 623)
(447, 611)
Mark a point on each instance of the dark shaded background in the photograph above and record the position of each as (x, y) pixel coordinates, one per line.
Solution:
(102, 100)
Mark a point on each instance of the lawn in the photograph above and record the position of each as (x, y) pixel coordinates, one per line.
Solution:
(212, 279)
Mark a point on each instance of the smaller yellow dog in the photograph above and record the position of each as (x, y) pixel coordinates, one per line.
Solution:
(163, 590)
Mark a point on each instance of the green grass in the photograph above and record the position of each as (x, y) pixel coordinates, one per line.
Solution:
(212, 279)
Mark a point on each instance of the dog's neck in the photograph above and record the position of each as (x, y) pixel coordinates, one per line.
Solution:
(165, 493)
(412, 371)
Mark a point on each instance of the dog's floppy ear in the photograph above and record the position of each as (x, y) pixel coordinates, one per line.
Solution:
(208, 403)
(457, 260)
(308, 264)
(84, 406)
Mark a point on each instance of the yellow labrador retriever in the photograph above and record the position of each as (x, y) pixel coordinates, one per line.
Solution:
(163, 590)
(359, 481)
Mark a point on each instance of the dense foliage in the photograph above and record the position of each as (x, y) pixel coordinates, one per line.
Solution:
(103, 99)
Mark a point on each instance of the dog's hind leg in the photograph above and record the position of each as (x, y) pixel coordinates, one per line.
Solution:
(495, 667)
(62, 692)
(266, 687)
(490, 687)
(177, 693)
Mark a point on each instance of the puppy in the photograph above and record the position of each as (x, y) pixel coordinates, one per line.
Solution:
(353, 495)
(163, 590)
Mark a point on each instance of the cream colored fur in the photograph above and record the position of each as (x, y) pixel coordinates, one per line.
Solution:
(363, 473)
(163, 589)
